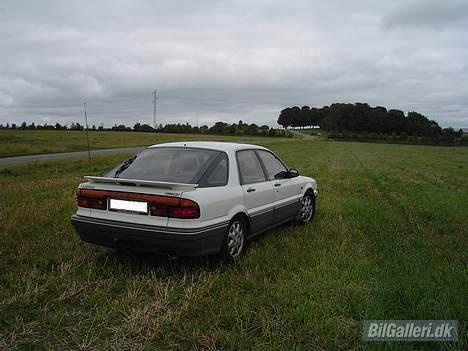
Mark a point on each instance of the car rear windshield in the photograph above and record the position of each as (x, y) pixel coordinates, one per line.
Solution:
(166, 164)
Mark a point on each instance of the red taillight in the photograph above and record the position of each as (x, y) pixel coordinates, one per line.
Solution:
(175, 212)
(184, 208)
(161, 206)
(82, 201)
(91, 200)
(184, 212)
(158, 210)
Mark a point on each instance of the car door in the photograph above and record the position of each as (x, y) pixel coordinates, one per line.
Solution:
(286, 190)
(258, 190)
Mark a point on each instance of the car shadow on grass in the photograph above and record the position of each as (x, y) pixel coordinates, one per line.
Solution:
(134, 262)
(137, 262)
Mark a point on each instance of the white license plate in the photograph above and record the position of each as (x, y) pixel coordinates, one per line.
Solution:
(127, 205)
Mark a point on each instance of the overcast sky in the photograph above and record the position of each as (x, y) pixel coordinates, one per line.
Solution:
(229, 60)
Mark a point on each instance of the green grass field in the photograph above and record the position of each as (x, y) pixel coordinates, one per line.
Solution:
(389, 241)
(29, 142)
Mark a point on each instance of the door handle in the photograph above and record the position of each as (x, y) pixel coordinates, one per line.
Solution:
(250, 190)
(277, 184)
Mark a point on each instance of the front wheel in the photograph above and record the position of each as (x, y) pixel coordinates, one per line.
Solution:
(235, 240)
(307, 209)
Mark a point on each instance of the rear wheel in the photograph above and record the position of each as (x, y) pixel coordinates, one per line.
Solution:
(235, 240)
(307, 209)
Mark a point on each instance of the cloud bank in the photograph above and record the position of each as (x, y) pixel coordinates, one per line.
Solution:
(229, 60)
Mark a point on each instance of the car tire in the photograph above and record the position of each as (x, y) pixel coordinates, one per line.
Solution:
(235, 240)
(307, 208)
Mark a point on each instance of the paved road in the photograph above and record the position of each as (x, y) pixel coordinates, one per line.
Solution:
(304, 136)
(11, 161)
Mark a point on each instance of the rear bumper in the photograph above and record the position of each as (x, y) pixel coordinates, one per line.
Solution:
(154, 239)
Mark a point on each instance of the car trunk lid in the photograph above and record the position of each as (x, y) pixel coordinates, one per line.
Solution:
(130, 200)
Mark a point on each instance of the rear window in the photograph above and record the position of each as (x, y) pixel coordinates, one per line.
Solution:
(166, 164)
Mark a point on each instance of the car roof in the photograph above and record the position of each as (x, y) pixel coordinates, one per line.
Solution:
(214, 145)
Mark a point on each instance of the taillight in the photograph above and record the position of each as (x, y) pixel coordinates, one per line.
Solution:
(184, 212)
(160, 206)
(184, 208)
(91, 200)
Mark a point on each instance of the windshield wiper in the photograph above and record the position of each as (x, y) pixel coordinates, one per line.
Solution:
(124, 166)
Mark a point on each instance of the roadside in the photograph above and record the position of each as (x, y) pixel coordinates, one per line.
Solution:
(33, 142)
(11, 161)
(304, 136)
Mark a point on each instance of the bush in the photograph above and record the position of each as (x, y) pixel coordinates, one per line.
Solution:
(347, 135)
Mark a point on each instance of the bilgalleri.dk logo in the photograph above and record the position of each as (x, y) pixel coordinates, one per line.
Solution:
(410, 330)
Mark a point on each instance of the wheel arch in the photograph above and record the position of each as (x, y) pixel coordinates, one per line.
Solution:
(308, 189)
(245, 218)
(240, 211)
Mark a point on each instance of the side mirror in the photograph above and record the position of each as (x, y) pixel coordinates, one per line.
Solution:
(293, 173)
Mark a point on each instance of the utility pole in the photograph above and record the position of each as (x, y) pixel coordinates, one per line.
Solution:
(155, 98)
(87, 132)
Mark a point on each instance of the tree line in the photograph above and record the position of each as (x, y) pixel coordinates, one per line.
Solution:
(46, 126)
(223, 128)
(360, 117)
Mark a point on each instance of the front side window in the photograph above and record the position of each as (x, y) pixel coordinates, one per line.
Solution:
(250, 169)
(166, 164)
(272, 164)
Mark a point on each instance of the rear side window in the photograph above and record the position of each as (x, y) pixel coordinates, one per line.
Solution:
(272, 164)
(167, 164)
(218, 173)
(250, 169)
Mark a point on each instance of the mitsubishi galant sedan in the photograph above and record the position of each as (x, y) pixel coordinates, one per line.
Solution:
(192, 198)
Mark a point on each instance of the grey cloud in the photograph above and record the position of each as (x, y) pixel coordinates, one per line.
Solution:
(225, 60)
(433, 14)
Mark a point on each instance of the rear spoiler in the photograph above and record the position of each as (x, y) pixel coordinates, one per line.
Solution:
(148, 183)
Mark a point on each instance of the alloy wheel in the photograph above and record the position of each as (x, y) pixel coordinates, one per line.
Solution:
(307, 208)
(235, 239)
